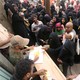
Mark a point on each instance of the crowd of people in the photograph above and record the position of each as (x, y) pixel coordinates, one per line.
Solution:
(33, 25)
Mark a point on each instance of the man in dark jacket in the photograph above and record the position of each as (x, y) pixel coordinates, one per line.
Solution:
(66, 56)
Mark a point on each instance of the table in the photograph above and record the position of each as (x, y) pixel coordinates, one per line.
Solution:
(51, 67)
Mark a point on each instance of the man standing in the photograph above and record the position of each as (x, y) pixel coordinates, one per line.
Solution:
(70, 33)
(36, 25)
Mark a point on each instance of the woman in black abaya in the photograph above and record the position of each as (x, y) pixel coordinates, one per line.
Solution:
(55, 47)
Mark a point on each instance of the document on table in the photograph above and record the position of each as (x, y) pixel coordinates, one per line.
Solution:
(39, 51)
(77, 78)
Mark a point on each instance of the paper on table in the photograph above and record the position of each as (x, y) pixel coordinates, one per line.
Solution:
(77, 78)
(49, 77)
(39, 52)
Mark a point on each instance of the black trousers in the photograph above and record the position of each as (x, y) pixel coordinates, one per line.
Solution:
(65, 68)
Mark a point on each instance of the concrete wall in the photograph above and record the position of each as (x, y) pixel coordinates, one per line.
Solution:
(6, 64)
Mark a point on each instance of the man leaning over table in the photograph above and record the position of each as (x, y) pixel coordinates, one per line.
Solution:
(5, 37)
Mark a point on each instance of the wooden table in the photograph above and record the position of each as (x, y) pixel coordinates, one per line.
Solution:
(51, 67)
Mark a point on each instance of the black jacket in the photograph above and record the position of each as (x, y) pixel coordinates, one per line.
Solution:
(68, 52)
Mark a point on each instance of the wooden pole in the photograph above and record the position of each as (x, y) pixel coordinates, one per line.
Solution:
(47, 5)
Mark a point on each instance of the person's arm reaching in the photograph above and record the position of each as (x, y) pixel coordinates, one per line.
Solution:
(40, 72)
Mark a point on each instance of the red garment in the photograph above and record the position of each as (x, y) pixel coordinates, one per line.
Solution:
(77, 7)
(58, 25)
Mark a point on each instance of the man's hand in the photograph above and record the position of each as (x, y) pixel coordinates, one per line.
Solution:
(45, 47)
(30, 47)
(41, 72)
(59, 60)
(45, 78)
(68, 36)
(71, 77)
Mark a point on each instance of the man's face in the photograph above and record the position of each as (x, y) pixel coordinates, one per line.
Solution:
(28, 75)
(63, 20)
(68, 28)
(58, 28)
(15, 8)
(35, 19)
(54, 19)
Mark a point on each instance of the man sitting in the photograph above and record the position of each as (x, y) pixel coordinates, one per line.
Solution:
(24, 70)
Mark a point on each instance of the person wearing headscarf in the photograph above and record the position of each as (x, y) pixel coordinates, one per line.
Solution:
(52, 9)
(47, 18)
(75, 24)
(18, 25)
(75, 21)
(54, 21)
(43, 35)
(25, 4)
(7, 6)
(62, 4)
(60, 13)
(70, 16)
(54, 48)
(54, 41)
(66, 56)
(78, 14)
(64, 20)
(59, 29)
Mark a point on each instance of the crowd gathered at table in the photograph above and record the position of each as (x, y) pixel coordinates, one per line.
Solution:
(58, 33)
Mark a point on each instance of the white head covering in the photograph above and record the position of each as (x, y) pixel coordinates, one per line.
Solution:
(19, 40)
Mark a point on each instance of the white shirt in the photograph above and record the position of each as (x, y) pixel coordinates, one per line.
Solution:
(35, 26)
(4, 35)
(72, 33)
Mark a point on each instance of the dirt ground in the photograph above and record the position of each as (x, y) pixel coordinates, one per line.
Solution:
(3, 19)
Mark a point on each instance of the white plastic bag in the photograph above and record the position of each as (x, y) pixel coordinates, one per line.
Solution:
(77, 47)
